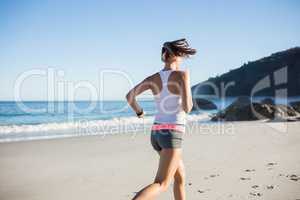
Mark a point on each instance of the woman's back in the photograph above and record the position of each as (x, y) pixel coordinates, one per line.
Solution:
(168, 99)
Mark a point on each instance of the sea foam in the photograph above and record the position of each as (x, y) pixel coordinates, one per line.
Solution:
(83, 127)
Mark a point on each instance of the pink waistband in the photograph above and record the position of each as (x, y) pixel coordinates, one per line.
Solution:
(157, 127)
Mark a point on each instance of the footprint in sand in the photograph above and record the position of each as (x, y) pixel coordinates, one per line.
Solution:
(255, 194)
(214, 175)
(271, 164)
(211, 176)
(202, 191)
(294, 177)
(249, 170)
(270, 187)
(243, 178)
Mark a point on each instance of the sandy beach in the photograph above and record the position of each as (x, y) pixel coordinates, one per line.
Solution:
(253, 160)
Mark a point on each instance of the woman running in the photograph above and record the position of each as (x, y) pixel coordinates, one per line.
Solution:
(172, 94)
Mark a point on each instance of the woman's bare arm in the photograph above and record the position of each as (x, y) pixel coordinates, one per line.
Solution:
(138, 89)
(187, 101)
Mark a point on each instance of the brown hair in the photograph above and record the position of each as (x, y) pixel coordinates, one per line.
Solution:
(176, 48)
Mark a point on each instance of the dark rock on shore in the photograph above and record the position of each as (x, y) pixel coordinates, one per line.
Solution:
(203, 104)
(244, 110)
(296, 105)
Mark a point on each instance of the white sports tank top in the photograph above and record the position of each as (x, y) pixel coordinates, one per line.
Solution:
(168, 105)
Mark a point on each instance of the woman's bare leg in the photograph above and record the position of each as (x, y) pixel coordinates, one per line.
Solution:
(179, 182)
(168, 163)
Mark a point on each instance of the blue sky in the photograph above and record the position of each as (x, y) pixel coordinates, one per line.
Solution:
(82, 38)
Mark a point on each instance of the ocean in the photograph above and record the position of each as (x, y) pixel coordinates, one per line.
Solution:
(31, 120)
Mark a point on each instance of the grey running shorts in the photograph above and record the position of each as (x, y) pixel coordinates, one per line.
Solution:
(166, 138)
